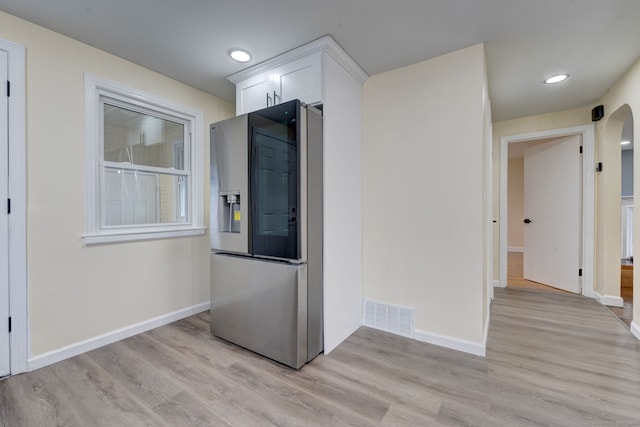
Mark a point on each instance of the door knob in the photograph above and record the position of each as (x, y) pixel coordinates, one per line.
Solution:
(527, 221)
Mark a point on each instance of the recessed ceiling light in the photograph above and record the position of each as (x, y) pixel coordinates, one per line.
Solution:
(240, 55)
(556, 79)
(625, 142)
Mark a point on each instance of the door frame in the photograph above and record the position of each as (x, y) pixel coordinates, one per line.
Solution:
(588, 198)
(18, 309)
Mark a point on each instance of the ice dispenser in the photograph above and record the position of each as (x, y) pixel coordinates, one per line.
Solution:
(230, 217)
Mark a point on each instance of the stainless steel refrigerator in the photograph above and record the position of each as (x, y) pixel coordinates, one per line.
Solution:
(266, 232)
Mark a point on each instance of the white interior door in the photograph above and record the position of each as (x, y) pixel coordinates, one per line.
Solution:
(5, 365)
(552, 204)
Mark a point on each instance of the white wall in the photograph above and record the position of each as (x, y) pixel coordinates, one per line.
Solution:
(423, 230)
(76, 292)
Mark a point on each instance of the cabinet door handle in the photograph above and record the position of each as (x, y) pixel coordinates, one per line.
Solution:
(268, 99)
(275, 98)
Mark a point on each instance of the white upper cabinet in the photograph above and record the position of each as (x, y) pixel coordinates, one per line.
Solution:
(299, 79)
(254, 93)
(297, 74)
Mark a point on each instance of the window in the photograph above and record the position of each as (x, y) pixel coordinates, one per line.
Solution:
(144, 177)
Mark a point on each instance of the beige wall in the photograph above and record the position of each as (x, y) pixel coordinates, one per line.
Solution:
(623, 95)
(77, 292)
(515, 199)
(423, 238)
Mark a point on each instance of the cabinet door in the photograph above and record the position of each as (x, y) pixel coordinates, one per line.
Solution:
(251, 94)
(300, 79)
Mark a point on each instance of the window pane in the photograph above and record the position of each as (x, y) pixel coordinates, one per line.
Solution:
(135, 197)
(142, 139)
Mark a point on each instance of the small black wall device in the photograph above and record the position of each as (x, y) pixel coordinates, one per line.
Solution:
(597, 113)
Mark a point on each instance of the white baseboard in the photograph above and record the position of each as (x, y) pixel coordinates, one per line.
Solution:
(374, 315)
(499, 284)
(515, 249)
(610, 300)
(63, 353)
(477, 348)
(635, 329)
(486, 331)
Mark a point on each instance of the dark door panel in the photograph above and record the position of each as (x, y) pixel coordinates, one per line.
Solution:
(273, 182)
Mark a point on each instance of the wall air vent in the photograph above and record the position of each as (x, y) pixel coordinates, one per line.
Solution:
(387, 317)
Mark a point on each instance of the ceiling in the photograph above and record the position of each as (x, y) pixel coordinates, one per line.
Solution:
(595, 41)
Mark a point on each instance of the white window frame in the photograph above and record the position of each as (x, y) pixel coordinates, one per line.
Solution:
(96, 90)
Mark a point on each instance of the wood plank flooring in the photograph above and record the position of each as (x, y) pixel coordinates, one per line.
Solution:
(552, 360)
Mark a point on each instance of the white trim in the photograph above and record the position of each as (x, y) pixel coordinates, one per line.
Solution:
(588, 199)
(515, 249)
(143, 168)
(96, 88)
(499, 284)
(486, 330)
(626, 209)
(326, 43)
(635, 329)
(610, 300)
(72, 350)
(342, 57)
(18, 300)
(96, 239)
(472, 347)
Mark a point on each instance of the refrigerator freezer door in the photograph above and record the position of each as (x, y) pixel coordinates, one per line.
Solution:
(229, 186)
(261, 305)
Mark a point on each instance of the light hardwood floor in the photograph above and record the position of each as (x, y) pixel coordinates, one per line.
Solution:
(515, 280)
(552, 360)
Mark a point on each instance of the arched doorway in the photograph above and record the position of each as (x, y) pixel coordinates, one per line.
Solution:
(619, 195)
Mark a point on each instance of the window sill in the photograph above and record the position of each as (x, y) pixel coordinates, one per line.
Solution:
(131, 236)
